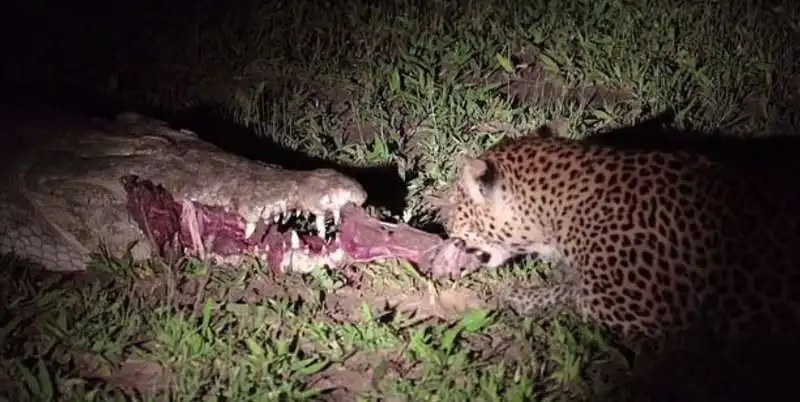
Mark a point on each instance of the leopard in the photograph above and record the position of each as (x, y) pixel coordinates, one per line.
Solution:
(659, 241)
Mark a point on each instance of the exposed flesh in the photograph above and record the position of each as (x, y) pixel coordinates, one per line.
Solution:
(202, 231)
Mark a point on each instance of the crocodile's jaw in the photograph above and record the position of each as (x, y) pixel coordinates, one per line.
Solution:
(190, 228)
(197, 230)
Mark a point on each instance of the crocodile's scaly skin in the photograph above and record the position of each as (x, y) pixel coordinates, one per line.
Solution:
(61, 195)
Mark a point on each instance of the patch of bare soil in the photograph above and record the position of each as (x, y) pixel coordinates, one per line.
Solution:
(355, 376)
(422, 303)
(133, 377)
(130, 376)
(532, 84)
(343, 382)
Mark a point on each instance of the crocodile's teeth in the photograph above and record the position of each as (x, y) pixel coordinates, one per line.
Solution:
(337, 216)
(295, 240)
(276, 218)
(306, 214)
(326, 199)
(320, 224)
(249, 229)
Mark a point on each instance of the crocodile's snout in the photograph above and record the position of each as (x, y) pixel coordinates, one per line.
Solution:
(326, 190)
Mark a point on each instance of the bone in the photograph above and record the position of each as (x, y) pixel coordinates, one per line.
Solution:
(189, 220)
(249, 229)
(320, 225)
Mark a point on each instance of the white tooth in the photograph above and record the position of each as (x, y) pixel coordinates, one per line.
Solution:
(298, 213)
(249, 229)
(295, 240)
(320, 223)
(306, 214)
(337, 216)
(276, 218)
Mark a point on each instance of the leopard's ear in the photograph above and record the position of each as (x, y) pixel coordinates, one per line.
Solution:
(480, 179)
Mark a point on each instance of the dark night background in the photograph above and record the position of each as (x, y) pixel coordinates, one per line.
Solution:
(260, 78)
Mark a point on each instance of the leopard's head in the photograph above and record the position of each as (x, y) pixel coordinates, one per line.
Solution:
(484, 210)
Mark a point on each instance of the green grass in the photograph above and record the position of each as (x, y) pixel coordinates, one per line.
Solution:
(121, 337)
(408, 85)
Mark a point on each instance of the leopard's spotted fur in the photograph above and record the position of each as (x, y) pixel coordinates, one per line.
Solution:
(659, 240)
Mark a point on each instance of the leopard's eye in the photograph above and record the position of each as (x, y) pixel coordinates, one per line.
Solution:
(483, 256)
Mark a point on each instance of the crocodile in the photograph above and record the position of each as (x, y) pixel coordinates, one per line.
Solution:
(75, 186)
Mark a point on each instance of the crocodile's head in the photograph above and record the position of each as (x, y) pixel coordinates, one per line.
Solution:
(72, 185)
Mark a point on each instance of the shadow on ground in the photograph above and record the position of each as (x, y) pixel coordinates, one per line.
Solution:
(761, 371)
(773, 153)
